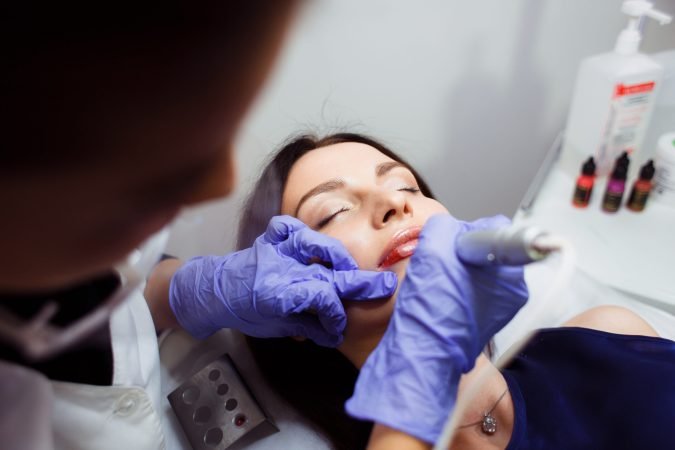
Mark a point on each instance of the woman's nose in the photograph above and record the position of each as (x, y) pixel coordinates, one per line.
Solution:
(391, 206)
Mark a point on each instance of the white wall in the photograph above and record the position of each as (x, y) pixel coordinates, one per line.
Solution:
(471, 92)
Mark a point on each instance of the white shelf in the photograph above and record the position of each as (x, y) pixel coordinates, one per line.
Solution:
(633, 252)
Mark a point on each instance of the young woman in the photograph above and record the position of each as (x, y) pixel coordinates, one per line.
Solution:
(605, 380)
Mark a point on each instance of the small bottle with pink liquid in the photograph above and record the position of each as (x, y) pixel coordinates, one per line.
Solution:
(616, 186)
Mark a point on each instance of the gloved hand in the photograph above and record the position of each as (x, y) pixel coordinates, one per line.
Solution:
(445, 313)
(275, 288)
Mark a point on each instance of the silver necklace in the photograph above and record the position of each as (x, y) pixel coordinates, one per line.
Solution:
(488, 423)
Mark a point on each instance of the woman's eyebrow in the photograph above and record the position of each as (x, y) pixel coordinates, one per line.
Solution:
(328, 186)
(383, 168)
(334, 184)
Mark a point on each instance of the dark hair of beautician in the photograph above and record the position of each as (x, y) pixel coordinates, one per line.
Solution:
(114, 115)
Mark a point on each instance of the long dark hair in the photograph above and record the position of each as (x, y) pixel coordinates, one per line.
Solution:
(315, 380)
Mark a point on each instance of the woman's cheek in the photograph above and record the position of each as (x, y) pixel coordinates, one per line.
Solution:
(362, 249)
(435, 207)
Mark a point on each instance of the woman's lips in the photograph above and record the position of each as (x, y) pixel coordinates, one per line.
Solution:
(401, 246)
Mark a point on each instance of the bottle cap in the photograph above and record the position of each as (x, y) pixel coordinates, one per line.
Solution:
(619, 172)
(623, 160)
(647, 171)
(629, 39)
(588, 168)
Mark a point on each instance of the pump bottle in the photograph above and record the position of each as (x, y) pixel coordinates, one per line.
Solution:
(614, 94)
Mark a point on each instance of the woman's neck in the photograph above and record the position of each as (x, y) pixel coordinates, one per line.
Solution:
(488, 399)
(358, 350)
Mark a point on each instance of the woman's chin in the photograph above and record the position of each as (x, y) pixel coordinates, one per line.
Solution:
(367, 316)
(368, 319)
(366, 323)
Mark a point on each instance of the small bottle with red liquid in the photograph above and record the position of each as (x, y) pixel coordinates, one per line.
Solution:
(584, 186)
(641, 188)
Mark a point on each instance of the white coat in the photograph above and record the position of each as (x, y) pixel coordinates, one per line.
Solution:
(125, 415)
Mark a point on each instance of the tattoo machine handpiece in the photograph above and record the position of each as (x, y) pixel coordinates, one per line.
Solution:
(510, 246)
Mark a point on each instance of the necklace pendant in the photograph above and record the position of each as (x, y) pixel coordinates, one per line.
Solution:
(489, 425)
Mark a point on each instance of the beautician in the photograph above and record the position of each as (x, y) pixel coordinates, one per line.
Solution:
(114, 118)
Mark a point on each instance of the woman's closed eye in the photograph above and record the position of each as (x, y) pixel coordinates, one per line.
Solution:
(326, 220)
(411, 189)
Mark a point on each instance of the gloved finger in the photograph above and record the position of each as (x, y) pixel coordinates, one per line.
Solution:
(437, 236)
(309, 246)
(311, 328)
(512, 273)
(317, 298)
(280, 228)
(364, 285)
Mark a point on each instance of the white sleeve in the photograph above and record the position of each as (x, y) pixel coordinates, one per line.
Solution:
(25, 409)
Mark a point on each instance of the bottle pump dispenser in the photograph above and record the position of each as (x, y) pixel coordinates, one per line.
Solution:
(614, 94)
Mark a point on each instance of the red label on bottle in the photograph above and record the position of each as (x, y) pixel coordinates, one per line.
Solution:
(630, 89)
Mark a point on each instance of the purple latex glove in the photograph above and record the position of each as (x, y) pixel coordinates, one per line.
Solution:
(275, 288)
(445, 314)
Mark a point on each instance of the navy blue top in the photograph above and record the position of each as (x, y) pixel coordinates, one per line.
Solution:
(575, 388)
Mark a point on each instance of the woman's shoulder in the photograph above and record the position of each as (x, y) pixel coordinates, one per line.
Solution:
(612, 319)
(610, 336)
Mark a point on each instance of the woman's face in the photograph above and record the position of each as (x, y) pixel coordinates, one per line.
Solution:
(369, 202)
